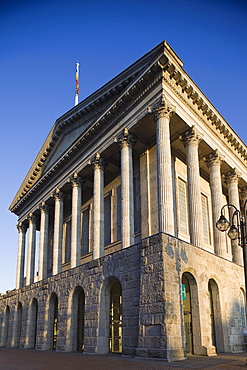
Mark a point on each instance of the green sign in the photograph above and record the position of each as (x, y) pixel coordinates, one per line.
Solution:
(183, 292)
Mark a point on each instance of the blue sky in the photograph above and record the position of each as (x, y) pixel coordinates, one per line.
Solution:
(40, 42)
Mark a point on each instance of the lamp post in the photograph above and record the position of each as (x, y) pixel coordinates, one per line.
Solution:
(237, 230)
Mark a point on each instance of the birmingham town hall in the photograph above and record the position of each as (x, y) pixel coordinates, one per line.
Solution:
(117, 245)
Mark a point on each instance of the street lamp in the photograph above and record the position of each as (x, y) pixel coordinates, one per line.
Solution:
(237, 230)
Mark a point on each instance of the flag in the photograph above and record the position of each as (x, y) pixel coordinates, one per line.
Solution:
(77, 86)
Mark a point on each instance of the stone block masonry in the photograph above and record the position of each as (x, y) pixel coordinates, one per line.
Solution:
(150, 274)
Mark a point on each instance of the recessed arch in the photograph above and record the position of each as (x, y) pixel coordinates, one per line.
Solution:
(75, 320)
(110, 319)
(242, 309)
(52, 322)
(17, 326)
(192, 329)
(5, 327)
(32, 324)
(215, 316)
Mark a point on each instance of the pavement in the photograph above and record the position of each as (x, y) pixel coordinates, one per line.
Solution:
(31, 359)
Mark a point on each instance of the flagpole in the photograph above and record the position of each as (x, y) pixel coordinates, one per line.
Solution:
(77, 87)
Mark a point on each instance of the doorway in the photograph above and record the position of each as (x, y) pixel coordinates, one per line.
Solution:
(80, 321)
(116, 318)
(187, 313)
(55, 321)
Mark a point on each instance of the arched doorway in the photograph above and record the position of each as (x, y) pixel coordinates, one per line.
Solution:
(33, 323)
(80, 320)
(75, 320)
(191, 314)
(110, 318)
(186, 297)
(215, 316)
(116, 318)
(5, 327)
(53, 321)
(19, 322)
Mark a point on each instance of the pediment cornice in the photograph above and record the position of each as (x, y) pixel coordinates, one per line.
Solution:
(192, 96)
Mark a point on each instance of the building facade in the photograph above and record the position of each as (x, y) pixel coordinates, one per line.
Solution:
(118, 249)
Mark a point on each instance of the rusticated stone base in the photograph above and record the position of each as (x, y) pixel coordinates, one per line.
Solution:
(150, 274)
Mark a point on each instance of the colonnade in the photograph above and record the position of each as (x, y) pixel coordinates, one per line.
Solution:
(127, 219)
(166, 220)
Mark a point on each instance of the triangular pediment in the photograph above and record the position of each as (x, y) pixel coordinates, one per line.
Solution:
(73, 124)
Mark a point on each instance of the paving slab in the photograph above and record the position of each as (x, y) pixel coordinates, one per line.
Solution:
(31, 359)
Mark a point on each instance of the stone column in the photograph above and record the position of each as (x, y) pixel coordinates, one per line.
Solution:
(76, 221)
(191, 140)
(21, 255)
(244, 196)
(163, 113)
(43, 240)
(233, 195)
(58, 230)
(31, 249)
(214, 162)
(98, 206)
(127, 199)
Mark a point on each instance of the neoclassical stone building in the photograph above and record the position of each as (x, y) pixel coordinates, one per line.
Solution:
(118, 249)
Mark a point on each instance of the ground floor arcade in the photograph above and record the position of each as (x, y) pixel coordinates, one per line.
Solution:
(160, 298)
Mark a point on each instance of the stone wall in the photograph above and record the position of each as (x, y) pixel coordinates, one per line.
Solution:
(150, 274)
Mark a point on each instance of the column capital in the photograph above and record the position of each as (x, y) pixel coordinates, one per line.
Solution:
(75, 180)
(162, 109)
(97, 162)
(232, 176)
(191, 137)
(21, 227)
(57, 194)
(43, 207)
(213, 159)
(31, 218)
(126, 139)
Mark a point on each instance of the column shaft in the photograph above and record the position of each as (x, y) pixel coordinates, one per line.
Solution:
(58, 229)
(43, 240)
(214, 162)
(98, 206)
(163, 114)
(127, 198)
(21, 255)
(31, 250)
(76, 221)
(191, 141)
(233, 194)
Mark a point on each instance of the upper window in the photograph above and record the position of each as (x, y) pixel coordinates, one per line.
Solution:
(85, 232)
(107, 220)
(182, 207)
(205, 219)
